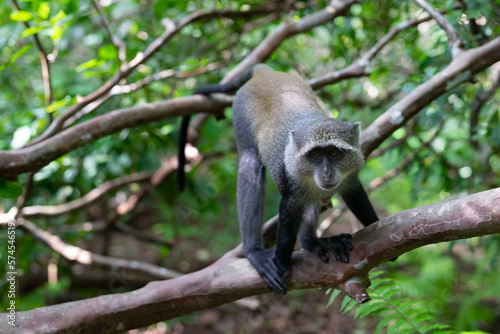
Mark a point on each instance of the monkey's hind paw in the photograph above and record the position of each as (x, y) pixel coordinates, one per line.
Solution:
(275, 276)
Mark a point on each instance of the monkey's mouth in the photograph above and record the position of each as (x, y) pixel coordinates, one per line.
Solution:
(328, 186)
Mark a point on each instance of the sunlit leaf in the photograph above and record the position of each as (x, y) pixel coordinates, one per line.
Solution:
(56, 105)
(58, 17)
(57, 33)
(21, 16)
(16, 55)
(31, 31)
(44, 10)
(88, 64)
(108, 52)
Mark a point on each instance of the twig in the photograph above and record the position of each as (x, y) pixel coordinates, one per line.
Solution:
(83, 256)
(44, 62)
(358, 68)
(89, 198)
(117, 42)
(456, 44)
(125, 89)
(171, 29)
(395, 143)
(477, 104)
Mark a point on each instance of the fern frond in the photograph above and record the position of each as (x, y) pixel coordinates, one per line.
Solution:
(399, 314)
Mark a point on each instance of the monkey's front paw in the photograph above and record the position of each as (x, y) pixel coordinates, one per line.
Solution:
(272, 272)
(339, 245)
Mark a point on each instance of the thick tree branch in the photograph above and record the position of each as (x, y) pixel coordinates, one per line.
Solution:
(34, 157)
(460, 70)
(231, 278)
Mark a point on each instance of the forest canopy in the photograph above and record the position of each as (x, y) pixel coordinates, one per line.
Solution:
(91, 96)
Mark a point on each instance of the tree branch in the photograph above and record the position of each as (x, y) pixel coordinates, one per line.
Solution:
(231, 278)
(34, 157)
(90, 197)
(80, 255)
(461, 69)
(454, 41)
(358, 68)
(171, 29)
(286, 29)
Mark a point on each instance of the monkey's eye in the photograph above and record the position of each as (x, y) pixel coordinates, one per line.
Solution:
(333, 152)
(314, 154)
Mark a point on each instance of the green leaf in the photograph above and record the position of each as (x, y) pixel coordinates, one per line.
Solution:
(44, 10)
(89, 64)
(383, 323)
(10, 189)
(108, 52)
(21, 16)
(31, 31)
(57, 33)
(347, 304)
(15, 56)
(435, 326)
(56, 105)
(371, 307)
(334, 294)
(59, 16)
(379, 281)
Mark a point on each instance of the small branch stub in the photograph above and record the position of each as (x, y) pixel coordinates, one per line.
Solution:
(355, 288)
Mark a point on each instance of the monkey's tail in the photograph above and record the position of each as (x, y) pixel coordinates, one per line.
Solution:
(181, 174)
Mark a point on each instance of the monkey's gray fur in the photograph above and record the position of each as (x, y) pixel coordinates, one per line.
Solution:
(279, 125)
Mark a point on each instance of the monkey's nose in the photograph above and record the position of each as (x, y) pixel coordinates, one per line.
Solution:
(327, 174)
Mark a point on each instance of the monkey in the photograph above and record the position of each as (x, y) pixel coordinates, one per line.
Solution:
(279, 126)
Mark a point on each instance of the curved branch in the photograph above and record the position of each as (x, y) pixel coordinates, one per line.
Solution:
(358, 68)
(32, 158)
(456, 44)
(90, 197)
(286, 29)
(461, 69)
(231, 278)
(83, 256)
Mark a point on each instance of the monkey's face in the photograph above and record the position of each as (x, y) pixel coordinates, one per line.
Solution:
(324, 164)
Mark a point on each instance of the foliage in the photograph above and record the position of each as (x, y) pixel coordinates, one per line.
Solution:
(398, 314)
(83, 44)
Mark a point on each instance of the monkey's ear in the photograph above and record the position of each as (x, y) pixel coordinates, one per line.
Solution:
(355, 131)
